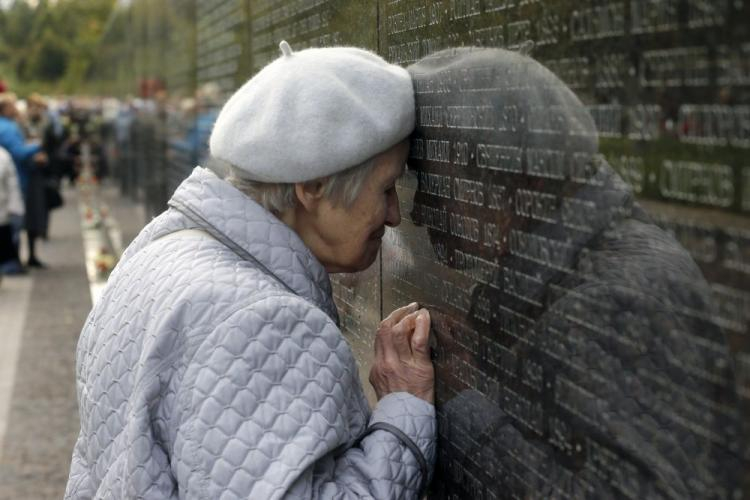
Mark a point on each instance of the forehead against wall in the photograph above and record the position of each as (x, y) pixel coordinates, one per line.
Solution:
(577, 224)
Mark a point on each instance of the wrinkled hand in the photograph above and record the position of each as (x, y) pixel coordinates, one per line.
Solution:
(402, 354)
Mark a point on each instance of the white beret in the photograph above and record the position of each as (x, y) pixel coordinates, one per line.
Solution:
(314, 113)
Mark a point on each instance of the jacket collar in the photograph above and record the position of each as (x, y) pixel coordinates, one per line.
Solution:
(255, 235)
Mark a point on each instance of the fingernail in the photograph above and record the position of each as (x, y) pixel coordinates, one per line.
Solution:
(413, 305)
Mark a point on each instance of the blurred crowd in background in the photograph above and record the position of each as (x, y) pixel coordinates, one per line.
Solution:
(145, 144)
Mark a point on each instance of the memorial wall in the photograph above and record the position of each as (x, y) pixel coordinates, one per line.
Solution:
(575, 216)
(580, 352)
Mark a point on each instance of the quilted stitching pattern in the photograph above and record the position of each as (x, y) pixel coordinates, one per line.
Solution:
(415, 418)
(264, 236)
(199, 376)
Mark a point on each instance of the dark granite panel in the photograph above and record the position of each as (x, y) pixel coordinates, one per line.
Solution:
(222, 50)
(578, 234)
(310, 23)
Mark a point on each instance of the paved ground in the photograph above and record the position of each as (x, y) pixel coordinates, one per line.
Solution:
(41, 315)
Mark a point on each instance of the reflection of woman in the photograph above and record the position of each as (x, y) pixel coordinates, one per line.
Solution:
(598, 371)
(213, 366)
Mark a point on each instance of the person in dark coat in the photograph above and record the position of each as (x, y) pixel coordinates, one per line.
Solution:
(38, 126)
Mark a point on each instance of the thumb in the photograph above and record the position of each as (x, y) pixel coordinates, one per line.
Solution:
(419, 341)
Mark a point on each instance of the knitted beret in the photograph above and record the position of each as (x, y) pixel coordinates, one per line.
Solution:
(313, 113)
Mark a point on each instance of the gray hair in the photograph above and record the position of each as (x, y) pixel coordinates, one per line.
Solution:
(341, 188)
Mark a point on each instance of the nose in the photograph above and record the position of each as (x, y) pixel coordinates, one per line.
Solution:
(393, 213)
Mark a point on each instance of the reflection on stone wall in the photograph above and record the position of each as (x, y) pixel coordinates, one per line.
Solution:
(575, 217)
(581, 350)
(566, 321)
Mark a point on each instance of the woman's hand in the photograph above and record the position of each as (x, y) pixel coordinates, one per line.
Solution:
(402, 354)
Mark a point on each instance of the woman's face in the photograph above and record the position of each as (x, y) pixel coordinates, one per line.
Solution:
(348, 238)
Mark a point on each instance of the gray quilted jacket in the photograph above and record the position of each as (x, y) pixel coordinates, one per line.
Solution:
(213, 367)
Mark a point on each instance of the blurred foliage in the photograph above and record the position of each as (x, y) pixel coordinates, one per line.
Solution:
(50, 47)
(146, 41)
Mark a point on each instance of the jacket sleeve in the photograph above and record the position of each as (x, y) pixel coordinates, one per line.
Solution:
(15, 198)
(12, 140)
(270, 406)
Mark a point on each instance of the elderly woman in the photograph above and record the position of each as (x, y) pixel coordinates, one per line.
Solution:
(213, 366)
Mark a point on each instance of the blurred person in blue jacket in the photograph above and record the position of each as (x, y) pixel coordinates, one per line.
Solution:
(27, 156)
(194, 144)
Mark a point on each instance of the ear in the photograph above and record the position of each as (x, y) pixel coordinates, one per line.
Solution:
(309, 194)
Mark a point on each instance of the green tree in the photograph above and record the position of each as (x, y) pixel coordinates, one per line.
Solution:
(49, 59)
(51, 46)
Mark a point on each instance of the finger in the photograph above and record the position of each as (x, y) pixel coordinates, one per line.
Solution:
(378, 345)
(421, 337)
(401, 335)
(382, 343)
(399, 314)
(385, 350)
(408, 323)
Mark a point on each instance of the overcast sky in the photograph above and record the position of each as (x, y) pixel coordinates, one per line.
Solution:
(4, 4)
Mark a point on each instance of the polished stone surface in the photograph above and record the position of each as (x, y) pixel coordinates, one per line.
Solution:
(579, 234)
(577, 224)
(579, 350)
